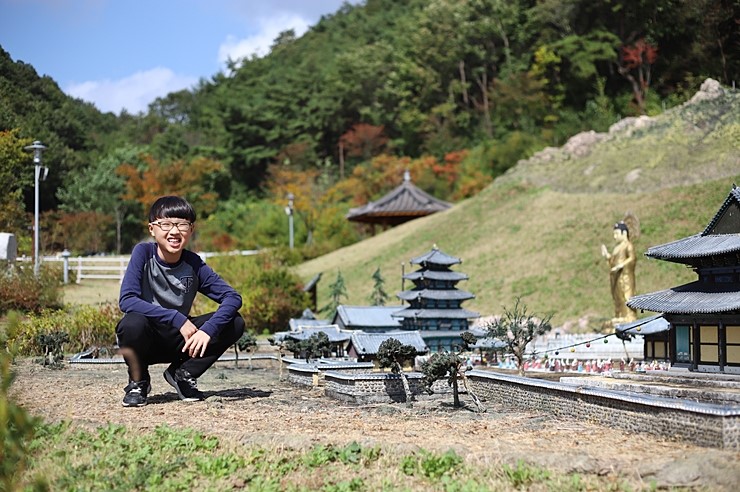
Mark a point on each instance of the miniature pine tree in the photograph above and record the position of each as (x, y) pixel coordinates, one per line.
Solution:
(337, 292)
(379, 296)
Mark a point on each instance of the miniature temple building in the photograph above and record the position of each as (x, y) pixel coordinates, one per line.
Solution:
(435, 303)
(370, 319)
(402, 204)
(364, 346)
(704, 315)
(655, 331)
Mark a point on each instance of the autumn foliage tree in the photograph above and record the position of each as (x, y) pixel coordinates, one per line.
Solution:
(635, 63)
(184, 178)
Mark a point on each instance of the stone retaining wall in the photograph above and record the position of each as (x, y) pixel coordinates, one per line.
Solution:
(704, 424)
(376, 387)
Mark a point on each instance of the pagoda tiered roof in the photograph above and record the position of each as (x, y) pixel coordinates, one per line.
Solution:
(715, 254)
(436, 313)
(403, 203)
(436, 294)
(435, 257)
(720, 238)
(447, 276)
(694, 298)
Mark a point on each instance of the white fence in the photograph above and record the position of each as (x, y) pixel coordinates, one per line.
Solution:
(111, 267)
(92, 267)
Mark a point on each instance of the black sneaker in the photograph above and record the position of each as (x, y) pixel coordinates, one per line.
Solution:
(136, 392)
(185, 384)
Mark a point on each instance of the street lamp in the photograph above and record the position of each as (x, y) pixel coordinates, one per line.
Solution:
(40, 173)
(289, 213)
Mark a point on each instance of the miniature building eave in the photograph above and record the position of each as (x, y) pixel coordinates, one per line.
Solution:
(436, 313)
(721, 238)
(367, 316)
(693, 298)
(448, 276)
(650, 325)
(696, 246)
(403, 203)
(439, 295)
(369, 343)
(435, 257)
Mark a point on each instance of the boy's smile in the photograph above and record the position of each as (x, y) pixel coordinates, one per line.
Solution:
(170, 243)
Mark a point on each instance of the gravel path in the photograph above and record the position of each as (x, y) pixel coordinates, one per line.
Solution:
(254, 407)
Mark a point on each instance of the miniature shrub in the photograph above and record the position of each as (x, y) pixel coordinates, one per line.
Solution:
(20, 289)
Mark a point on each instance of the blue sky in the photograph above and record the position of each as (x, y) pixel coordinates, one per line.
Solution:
(125, 53)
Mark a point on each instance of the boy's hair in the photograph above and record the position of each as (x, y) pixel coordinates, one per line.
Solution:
(171, 207)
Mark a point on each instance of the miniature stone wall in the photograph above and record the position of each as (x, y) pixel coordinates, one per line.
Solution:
(375, 387)
(704, 424)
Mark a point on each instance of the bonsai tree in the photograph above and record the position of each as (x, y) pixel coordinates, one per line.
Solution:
(247, 343)
(450, 366)
(392, 354)
(379, 296)
(516, 328)
(282, 346)
(316, 346)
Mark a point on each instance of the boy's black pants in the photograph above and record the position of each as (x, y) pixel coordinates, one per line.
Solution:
(144, 342)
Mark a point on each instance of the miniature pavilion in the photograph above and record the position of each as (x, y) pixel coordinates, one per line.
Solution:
(703, 316)
(435, 303)
(402, 204)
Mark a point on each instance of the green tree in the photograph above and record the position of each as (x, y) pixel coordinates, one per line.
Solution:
(450, 366)
(379, 296)
(247, 343)
(316, 346)
(337, 294)
(393, 354)
(516, 328)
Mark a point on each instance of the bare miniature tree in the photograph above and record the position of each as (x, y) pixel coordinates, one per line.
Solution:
(516, 328)
(247, 343)
(282, 346)
(392, 354)
(452, 367)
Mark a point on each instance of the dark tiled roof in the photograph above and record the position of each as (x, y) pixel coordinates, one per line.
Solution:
(435, 257)
(645, 326)
(436, 275)
(731, 202)
(696, 246)
(298, 323)
(332, 331)
(720, 237)
(368, 343)
(405, 200)
(693, 298)
(436, 313)
(436, 294)
(367, 316)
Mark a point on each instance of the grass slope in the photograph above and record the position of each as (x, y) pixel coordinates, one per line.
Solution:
(536, 233)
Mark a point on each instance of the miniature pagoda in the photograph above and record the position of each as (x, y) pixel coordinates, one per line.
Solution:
(402, 204)
(704, 315)
(435, 302)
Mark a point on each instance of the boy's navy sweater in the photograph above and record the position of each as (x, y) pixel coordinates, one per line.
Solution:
(165, 292)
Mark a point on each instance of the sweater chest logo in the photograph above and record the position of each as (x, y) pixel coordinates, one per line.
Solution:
(187, 283)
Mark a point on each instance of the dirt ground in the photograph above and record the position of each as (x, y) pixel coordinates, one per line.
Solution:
(253, 406)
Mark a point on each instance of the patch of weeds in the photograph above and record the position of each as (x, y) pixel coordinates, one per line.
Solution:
(523, 475)
(345, 486)
(430, 465)
(352, 453)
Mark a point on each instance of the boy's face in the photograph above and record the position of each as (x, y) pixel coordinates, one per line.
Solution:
(171, 236)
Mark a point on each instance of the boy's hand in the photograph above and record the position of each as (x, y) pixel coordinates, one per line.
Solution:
(196, 345)
(188, 330)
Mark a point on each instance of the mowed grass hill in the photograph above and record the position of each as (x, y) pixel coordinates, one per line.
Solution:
(536, 232)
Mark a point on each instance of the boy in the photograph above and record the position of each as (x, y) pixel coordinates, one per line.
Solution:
(157, 292)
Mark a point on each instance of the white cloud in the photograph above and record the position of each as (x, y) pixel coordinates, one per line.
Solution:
(133, 93)
(259, 44)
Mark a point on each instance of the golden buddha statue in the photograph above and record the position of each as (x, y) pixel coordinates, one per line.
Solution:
(621, 262)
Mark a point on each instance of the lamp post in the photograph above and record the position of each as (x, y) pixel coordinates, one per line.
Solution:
(40, 173)
(289, 213)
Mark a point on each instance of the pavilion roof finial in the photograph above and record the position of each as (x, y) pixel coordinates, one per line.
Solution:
(406, 175)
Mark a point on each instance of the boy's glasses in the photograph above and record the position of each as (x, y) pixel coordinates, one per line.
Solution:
(166, 225)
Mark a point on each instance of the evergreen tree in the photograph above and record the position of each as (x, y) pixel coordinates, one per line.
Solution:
(379, 296)
(337, 293)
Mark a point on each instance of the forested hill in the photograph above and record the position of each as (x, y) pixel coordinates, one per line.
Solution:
(535, 233)
(455, 91)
